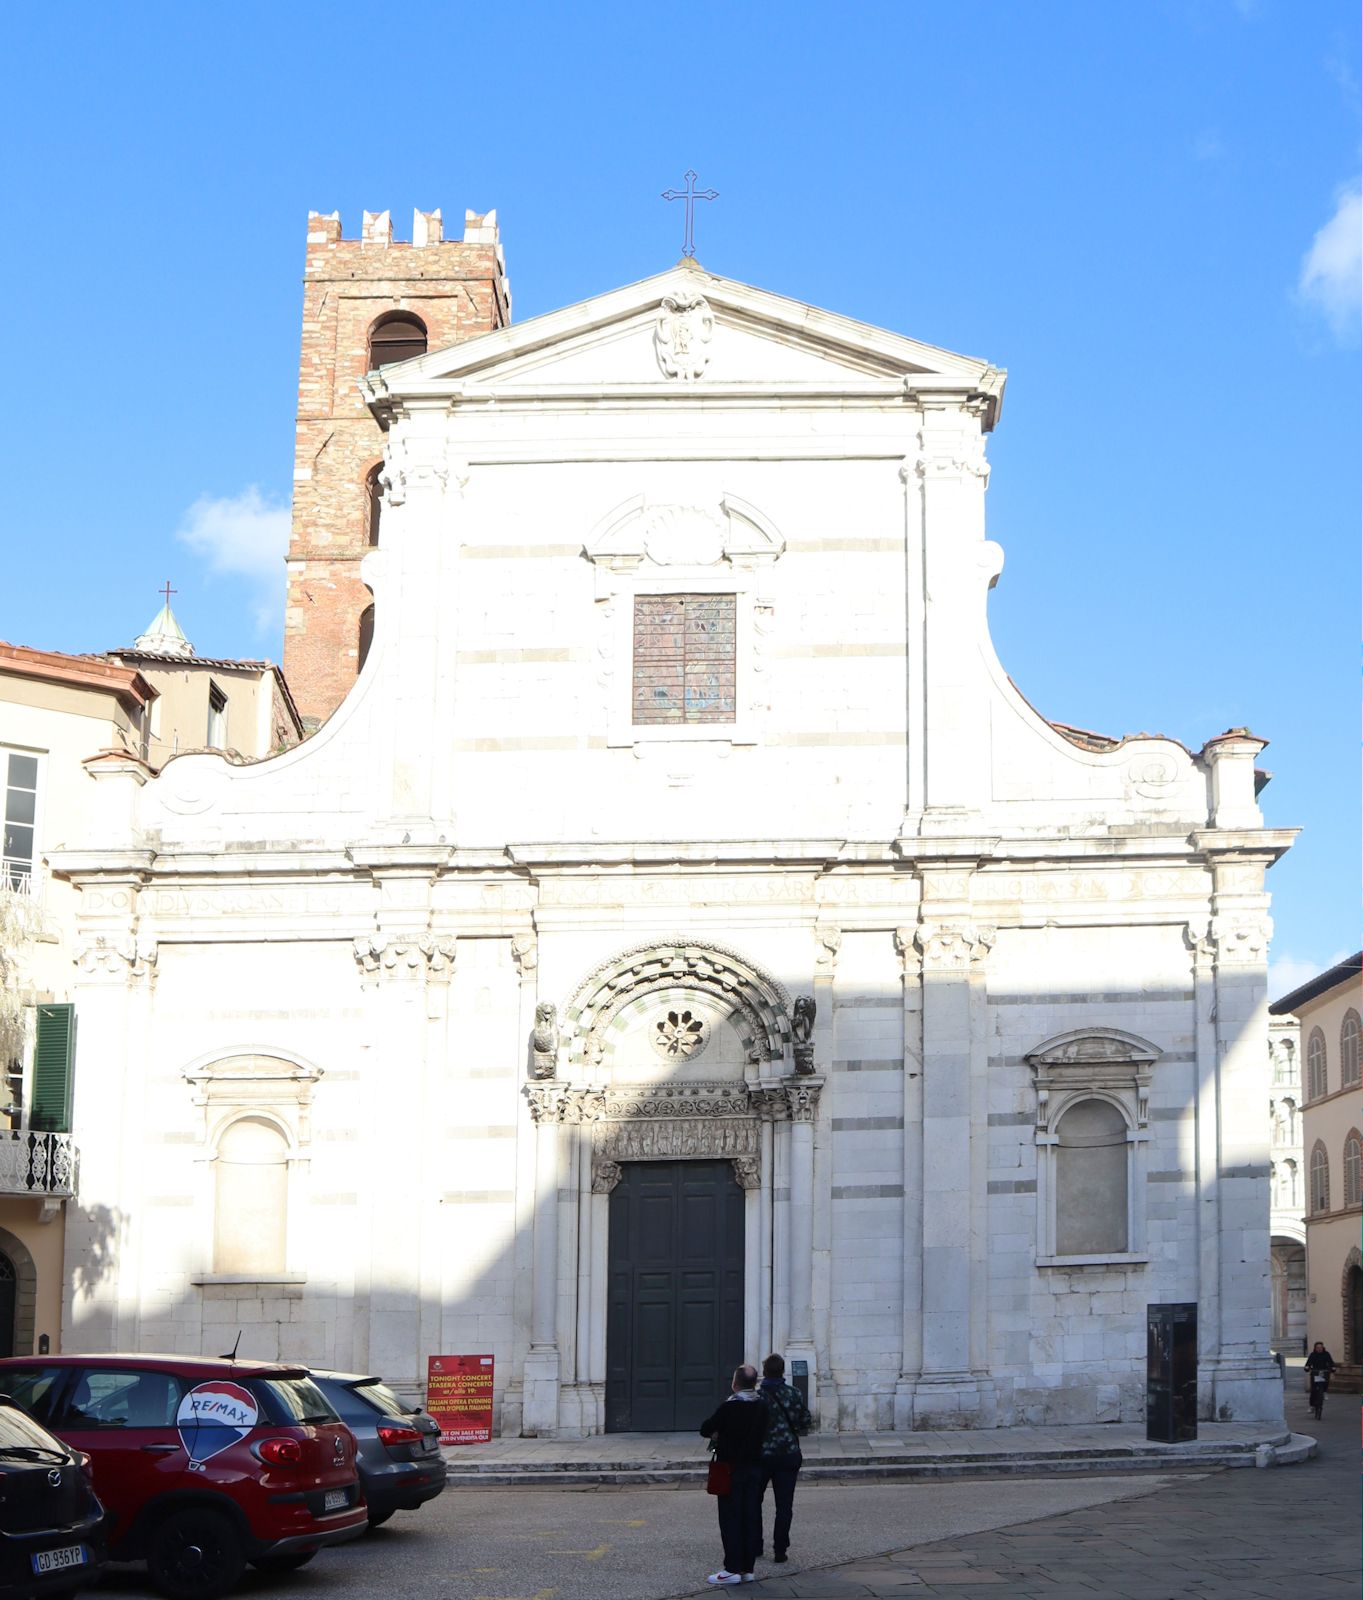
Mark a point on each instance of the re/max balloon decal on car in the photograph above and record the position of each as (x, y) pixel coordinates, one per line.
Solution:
(212, 1417)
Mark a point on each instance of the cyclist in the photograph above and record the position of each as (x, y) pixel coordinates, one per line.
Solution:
(1319, 1365)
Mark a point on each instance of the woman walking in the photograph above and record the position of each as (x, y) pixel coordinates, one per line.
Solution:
(736, 1429)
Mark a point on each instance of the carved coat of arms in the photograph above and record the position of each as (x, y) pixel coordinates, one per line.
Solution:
(682, 337)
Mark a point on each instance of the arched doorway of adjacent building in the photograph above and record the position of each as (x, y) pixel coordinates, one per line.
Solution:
(1353, 1309)
(1288, 1267)
(9, 1295)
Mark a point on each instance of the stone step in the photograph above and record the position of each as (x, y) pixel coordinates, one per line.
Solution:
(1287, 1451)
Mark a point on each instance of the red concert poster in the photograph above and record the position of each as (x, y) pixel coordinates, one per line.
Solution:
(459, 1397)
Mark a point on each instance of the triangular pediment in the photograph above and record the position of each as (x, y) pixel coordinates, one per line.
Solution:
(683, 332)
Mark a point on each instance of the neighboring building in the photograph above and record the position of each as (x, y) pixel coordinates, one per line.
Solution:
(366, 302)
(1330, 1048)
(56, 712)
(685, 941)
(239, 706)
(1287, 1220)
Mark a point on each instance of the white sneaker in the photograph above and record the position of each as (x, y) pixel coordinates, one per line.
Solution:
(724, 1576)
(750, 1577)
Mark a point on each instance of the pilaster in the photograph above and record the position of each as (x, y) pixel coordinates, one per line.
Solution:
(953, 1388)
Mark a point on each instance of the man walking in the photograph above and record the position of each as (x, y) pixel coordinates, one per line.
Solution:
(737, 1427)
(781, 1458)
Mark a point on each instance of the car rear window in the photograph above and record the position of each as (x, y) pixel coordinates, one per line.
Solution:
(20, 1433)
(382, 1398)
(293, 1400)
(32, 1388)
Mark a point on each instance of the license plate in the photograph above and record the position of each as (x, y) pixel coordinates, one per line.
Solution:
(334, 1500)
(70, 1555)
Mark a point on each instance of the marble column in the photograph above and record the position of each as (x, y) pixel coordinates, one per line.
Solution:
(802, 1098)
(548, 1104)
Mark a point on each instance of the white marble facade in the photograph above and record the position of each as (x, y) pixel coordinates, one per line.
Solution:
(404, 983)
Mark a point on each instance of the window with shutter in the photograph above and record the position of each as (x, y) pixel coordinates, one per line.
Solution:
(53, 1063)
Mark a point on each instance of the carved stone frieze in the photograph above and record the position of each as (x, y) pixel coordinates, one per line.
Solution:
(696, 1099)
(953, 455)
(676, 1138)
(769, 1102)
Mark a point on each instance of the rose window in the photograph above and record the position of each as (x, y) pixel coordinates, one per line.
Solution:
(679, 1035)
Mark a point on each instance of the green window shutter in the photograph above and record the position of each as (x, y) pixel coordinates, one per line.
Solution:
(54, 1059)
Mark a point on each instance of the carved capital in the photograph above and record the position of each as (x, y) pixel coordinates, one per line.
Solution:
(830, 942)
(748, 1172)
(954, 947)
(802, 1101)
(116, 956)
(548, 1102)
(1241, 941)
(605, 1176)
(906, 947)
(405, 955)
(951, 455)
(769, 1102)
(525, 952)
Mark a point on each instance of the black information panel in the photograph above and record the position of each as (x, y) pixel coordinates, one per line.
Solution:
(1171, 1372)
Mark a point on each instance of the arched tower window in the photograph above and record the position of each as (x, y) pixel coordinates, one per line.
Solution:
(398, 337)
(373, 488)
(1353, 1169)
(365, 636)
(1317, 1074)
(1349, 1074)
(1320, 1180)
(251, 1198)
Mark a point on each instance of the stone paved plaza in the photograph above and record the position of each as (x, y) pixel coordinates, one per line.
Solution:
(1291, 1532)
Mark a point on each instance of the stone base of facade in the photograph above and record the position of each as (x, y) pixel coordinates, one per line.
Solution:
(1240, 1389)
(581, 1410)
(954, 1400)
(539, 1415)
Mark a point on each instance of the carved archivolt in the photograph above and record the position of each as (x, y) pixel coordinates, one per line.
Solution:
(757, 1006)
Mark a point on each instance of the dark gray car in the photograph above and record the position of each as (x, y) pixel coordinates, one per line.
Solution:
(399, 1459)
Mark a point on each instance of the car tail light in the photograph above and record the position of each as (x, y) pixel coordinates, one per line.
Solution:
(280, 1452)
(86, 1466)
(399, 1435)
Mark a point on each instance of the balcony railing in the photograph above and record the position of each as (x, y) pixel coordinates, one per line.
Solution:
(36, 1163)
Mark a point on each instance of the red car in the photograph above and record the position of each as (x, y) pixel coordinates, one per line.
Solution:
(203, 1465)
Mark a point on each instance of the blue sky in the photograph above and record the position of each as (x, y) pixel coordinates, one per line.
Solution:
(1148, 212)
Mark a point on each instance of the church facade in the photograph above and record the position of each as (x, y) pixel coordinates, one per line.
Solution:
(684, 940)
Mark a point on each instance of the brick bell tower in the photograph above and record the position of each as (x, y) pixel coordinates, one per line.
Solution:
(366, 302)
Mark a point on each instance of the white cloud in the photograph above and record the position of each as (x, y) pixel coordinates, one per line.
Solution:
(243, 536)
(1332, 272)
(1288, 972)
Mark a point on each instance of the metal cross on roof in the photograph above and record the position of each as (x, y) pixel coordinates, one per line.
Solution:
(168, 591)
(690, 194)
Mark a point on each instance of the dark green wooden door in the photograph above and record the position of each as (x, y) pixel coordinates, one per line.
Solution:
(674, 1319)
